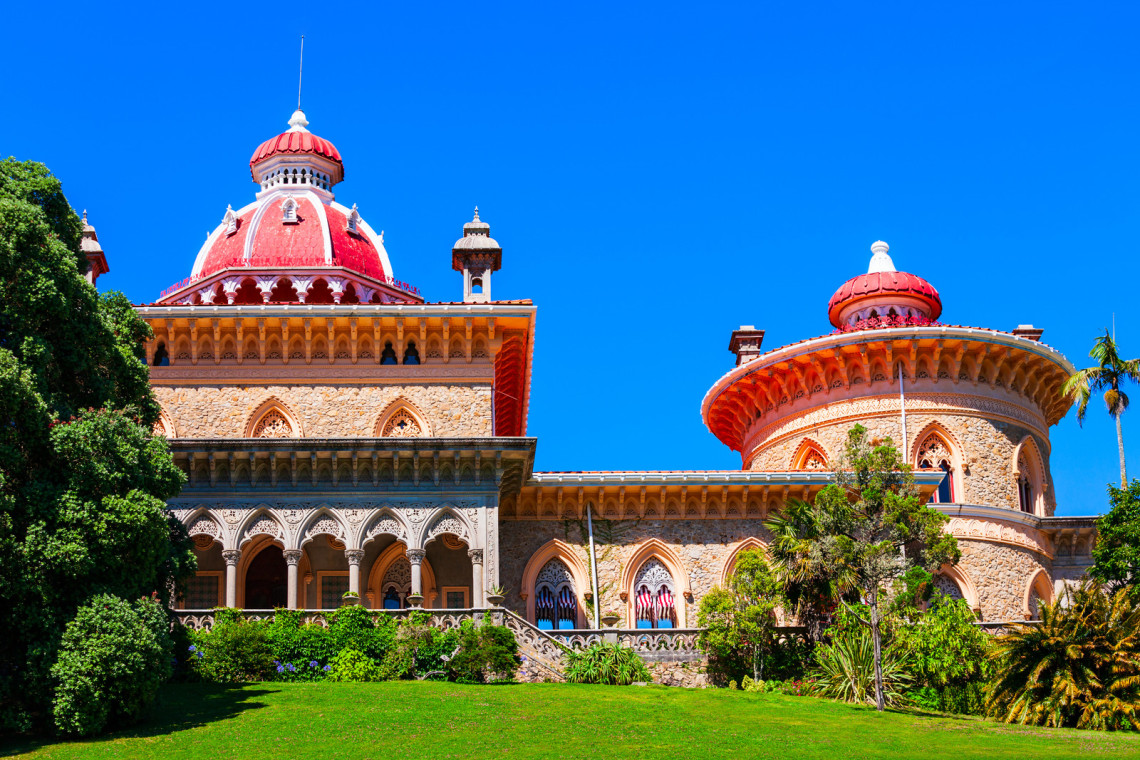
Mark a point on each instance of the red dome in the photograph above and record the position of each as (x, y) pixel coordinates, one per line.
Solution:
(874, 284)
(295, 143)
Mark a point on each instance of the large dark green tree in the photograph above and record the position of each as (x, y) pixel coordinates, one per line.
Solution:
(867, 529)
(83, 482)
(1116, 555)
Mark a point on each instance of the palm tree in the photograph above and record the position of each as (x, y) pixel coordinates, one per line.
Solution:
(1109, 374)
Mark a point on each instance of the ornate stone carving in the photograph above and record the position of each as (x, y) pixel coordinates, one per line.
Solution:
(554, 573)
(933, 451)
(292, 556)
(231, 556)
(398, 574)
(447, 524)
(204, 526)
(293, 516)
(354, 556)
(402, 425)
(326, 525)
(264, 525)
(988, 530)
(387, 524)
(416, 556)
(476, 556)
(653, 574)
(273, 424)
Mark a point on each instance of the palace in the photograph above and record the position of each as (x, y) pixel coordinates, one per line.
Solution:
(341, 434)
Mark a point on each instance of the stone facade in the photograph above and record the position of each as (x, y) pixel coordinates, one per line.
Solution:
(326, 411)
(1001, 574)
(984, 444)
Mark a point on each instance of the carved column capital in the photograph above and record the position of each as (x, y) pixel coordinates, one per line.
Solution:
(416, 556)
(476, 556)
(231, 556)
(292, 556)
(354, 556)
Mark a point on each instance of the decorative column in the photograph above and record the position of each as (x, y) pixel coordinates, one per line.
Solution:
(231, 556)
(476, 556)
(415, 557)
(355, 557)
(292, 557)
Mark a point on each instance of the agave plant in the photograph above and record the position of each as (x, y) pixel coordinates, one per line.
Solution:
(1079, 668)
(845, 669)
(606, 664)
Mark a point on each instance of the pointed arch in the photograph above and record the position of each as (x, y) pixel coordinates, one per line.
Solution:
(1028, 472)
(655, 549)
(810, 455)
(261, 522)
(390, 556)
(559, 550)
(164, 426)
(934, 448)
(1038, 589)
(965, 585)
(273, 419)
(730, 563)
(448, 520)
(322, 521)
(385, 522)
(402, 419)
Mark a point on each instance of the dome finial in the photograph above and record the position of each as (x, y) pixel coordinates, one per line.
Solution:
(476, 214)
(298, 122)
(84, 217)
(881, 260)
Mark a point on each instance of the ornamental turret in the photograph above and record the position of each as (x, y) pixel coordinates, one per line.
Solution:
(883, 296)
(476, 254)
(89, 245)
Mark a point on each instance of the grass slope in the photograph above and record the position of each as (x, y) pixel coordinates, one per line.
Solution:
(436, 720)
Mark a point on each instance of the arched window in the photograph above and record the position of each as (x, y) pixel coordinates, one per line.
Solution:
(1028, 478)
(289, 210)
(809, 457)
(555, 604)
(411, 355)
(397, 584)
(934, 454)
(402, 424)
(161, 358)
(655, 605)
(273, 424)
(388, 355)
(1024, 490)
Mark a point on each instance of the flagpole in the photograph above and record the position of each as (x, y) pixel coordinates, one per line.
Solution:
(593, 564)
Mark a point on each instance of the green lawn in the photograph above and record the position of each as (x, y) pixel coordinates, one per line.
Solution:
(435, 720)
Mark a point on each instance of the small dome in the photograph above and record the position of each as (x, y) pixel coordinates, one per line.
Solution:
(476, 236)
(297, 140)
(882, 289)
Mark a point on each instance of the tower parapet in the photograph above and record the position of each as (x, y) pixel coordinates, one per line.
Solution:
(477, 255)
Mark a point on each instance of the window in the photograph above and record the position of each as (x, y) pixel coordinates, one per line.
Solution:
(273, 424)
(161, 357)
(353, 219)
(397, 584)
(333, 588)
(454, 597)
(289, 211)
(411, 355)
(388, 355)
(401, 425)
(555, 604)
(202, 592)
(654, 602)
(934, 454)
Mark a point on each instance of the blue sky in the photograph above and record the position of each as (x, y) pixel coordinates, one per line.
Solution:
(657, 174)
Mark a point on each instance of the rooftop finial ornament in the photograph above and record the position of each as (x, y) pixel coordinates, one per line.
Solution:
(474, 220)
(881, 260)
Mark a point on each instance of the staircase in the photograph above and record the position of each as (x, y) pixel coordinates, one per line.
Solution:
(543, 652)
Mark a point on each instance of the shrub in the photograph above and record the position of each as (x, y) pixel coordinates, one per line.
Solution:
(1080, 667)
(845, 668)
(235, 650)
(949, 656)
(113, 657)
(418, 648)
(606, 664)
(355, 627)
(486, 652)
(354, 665)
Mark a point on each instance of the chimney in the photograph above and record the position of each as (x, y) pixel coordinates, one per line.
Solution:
(1029, 332)
(745, 343)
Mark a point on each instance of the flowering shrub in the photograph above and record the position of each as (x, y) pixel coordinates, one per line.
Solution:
(112, 659)
(235, 650)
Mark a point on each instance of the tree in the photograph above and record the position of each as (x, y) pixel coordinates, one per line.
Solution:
(1080, 667)
(1108, 376)
(870, 527)
(739, 621)
(83, 482)
(1116, 555)
(812, 587)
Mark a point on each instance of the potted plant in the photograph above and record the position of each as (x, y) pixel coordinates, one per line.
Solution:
(349, 599)
(496, 596)
(610, 618)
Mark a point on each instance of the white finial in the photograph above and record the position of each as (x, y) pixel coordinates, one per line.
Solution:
(476, 214)
(881, 260)
(84, 216)
(298, 122)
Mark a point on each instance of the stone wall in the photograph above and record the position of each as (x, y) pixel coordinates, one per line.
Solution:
(203, 411)
(999, 571)
(984, 447)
